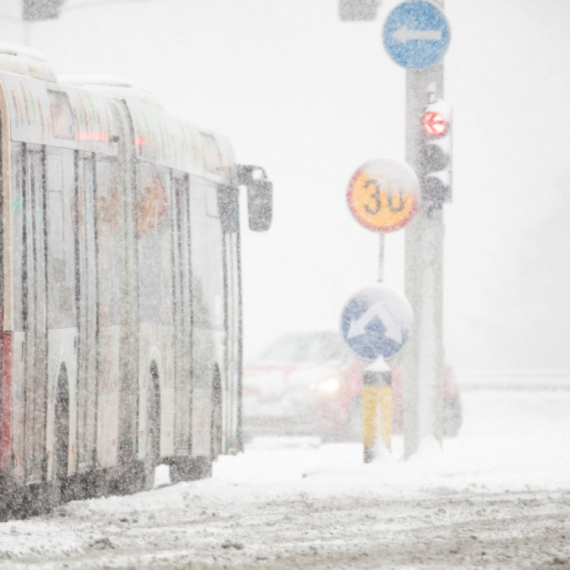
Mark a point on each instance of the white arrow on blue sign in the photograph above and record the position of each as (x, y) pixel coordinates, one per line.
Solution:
(376, 321)
(416, 34)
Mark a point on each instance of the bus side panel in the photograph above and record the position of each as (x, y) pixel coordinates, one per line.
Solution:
(233, 352)
(156, 349)
(61, 351)
(30, 312)
(148, 354)
(6, 339)
(108, 428)
(182, 313)
(207, 299)
(204, 355)
(166, 373)
(87, 325)
(62, 333)
(129, 374)
(156, 292)
(6, 378)
(109, 260)
(35, 323)
(18, 409)
(167, 403)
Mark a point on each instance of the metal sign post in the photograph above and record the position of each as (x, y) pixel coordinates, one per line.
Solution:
(383, 196)
(376, 323)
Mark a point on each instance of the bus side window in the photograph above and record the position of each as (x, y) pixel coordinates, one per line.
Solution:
(154, 241)
(207, 258)
(61, 265)
(109, 235)
(61, 115)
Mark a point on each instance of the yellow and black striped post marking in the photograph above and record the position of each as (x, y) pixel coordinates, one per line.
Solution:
(377, 409)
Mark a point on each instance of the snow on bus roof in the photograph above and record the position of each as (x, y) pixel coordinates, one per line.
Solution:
(16, 50)
(113, 87)
(25, 61)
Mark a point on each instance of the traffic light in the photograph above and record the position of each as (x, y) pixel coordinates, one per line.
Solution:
(435, 153)
(355, 10)
(38, 10)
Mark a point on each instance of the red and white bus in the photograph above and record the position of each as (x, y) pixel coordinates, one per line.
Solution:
(120, 301)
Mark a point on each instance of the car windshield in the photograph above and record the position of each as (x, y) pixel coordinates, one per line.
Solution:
(309, 347)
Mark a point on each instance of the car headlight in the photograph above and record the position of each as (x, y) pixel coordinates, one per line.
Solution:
(329, 385)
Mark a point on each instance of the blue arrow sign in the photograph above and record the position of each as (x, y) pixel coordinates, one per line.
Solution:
(376, 322)
(416, 34)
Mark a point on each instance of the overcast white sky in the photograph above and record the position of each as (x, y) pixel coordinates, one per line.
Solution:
(311, 98)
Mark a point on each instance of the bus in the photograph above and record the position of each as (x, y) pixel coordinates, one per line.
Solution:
(120, 291)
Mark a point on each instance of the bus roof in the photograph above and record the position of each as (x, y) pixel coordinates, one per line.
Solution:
(81, 117)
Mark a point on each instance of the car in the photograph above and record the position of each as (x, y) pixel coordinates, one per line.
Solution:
(310, 383)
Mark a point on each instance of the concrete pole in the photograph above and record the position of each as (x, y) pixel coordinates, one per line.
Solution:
(423, 354)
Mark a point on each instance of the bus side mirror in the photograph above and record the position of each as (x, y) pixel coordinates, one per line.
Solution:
(259, 197)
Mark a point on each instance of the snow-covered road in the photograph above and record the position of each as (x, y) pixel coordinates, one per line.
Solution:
(498, 496)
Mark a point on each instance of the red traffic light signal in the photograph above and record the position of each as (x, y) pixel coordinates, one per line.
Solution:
(434, 153)
(434, 124)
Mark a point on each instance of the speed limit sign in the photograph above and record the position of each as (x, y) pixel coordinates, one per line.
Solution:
(383, 195)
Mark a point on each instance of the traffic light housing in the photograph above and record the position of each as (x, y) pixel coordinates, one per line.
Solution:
(38, 10)
(435, 153)
(358, 10)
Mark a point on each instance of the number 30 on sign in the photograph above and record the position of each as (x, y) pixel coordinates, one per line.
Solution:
(383, 195)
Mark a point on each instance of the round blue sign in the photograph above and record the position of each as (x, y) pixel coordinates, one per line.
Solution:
(416, 34)
(376, 322)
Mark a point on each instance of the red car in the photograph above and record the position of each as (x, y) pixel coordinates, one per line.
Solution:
(311, 384)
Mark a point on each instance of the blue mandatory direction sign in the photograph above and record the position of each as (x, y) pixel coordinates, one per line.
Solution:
(376, 321)
(416, 34)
